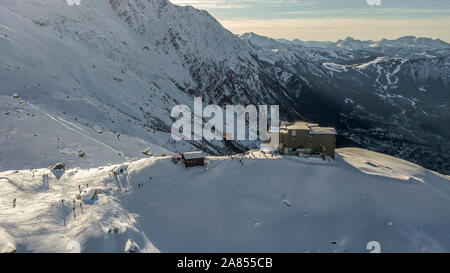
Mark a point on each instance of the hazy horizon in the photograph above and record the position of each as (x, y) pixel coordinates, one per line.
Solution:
(330, 20)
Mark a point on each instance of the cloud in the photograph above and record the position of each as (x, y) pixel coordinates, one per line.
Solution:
(331, 19)
(332, 29)
(372, 13)
(316, 4)
(237, 4)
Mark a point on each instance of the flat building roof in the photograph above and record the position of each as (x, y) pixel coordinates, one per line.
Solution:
(194, 155)
(323, 131)
(301, 125)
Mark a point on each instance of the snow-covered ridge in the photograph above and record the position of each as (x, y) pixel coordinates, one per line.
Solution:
(155, 205)
(354, 44)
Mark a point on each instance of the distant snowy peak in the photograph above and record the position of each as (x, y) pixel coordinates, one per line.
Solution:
(259, 40)
(347, 52)
(272, 50)
(350, 43)
(402, 42)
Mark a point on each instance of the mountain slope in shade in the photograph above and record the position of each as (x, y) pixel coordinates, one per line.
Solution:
(390, 96)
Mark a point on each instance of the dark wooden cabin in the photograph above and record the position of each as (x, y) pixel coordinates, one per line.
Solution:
(192, 159)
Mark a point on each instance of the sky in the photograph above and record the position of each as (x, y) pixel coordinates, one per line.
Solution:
(331, 20)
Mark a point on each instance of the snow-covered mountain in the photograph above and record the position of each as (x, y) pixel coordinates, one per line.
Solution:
(121, 65)
(391, 96)
(153, 205)
(399, 47)
(93, 85)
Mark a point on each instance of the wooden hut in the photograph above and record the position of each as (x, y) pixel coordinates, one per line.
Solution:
(191, 159)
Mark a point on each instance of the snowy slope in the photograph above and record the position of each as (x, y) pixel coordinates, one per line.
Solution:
(122, 65)
(32, 138)
(92, 68)
(270, 204)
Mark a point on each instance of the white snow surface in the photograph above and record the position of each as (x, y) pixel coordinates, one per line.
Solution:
(315, 130)
(79, 85)
(88, 70)
(194, 155)
(270, 204)
(335, 67)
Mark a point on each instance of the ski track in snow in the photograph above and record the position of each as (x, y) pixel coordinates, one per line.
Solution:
(64, 123)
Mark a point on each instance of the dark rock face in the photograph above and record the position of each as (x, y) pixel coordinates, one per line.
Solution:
(397, 106)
